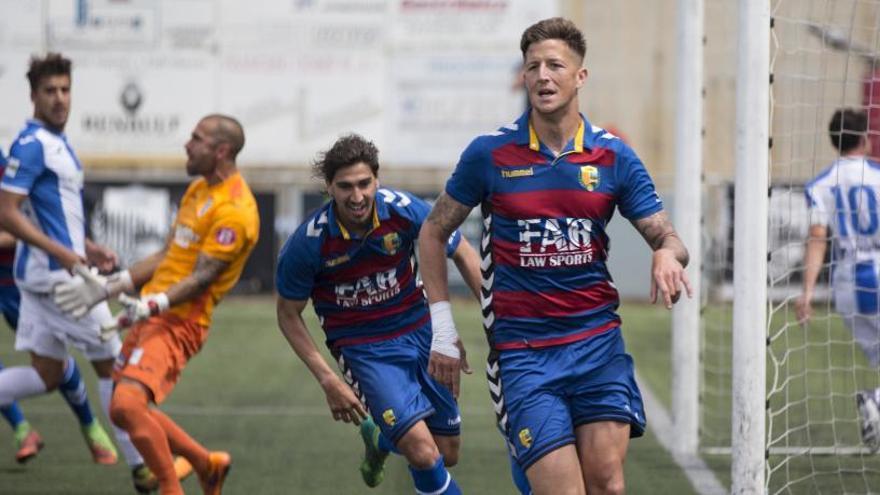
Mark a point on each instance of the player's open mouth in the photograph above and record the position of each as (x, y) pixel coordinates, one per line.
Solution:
(358, 210)
(546, 92)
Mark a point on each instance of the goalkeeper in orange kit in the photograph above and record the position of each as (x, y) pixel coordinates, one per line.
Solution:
(215, 230)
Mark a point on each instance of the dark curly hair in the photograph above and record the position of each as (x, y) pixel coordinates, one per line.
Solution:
(554, 28)
(346, 151)
(53, 64)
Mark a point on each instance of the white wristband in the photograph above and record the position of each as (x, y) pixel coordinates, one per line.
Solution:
(444, 334)
(161, 301)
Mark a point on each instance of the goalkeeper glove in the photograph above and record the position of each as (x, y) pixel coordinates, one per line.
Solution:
(87, 288)
(134, 310)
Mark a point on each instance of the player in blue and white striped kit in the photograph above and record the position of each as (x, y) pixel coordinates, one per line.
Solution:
(41, 205)
(354, 257)
(843, 205)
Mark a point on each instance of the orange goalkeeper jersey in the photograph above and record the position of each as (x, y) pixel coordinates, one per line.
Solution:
(220, 221)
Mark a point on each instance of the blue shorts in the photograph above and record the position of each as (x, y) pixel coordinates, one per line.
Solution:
(544, 394)
(392, 376)
(9, 301)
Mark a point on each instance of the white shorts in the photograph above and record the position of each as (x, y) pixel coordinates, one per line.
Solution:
(46, 331)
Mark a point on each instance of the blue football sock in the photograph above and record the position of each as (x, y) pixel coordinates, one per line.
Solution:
(386, 445)
(74, 392)
(12, 413)
(434, 480)
(519, 477)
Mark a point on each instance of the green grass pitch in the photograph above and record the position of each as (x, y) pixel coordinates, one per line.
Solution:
(246, 392)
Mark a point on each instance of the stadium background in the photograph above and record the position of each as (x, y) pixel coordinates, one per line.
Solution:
(421, 78)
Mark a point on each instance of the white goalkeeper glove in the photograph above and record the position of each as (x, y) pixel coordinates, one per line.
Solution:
(87, 288)
(444, 337)
(134, 310)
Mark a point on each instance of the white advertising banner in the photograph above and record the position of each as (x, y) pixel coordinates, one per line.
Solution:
(419, 77)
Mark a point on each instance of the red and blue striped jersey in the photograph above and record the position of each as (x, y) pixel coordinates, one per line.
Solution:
(545, 247)
(362, 289)
(7, 255)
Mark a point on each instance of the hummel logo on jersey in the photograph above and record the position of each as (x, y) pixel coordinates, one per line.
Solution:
(517, 172)
(555, 242)
(369, 290)
(337, 261)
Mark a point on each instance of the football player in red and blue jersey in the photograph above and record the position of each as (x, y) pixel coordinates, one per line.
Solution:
(355, 258)
(548, 184)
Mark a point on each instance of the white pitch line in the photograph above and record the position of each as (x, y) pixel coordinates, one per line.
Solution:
(252, 410)
(659, 422)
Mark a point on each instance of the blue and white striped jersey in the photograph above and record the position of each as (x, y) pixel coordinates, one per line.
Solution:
(43, 167)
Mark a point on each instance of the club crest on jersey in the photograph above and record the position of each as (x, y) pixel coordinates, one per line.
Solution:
(390, 243)
(589, 177)
(389, 418)
(225, 236)
(525, 437)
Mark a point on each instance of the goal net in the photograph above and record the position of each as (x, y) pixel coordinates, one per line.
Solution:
(825, 55)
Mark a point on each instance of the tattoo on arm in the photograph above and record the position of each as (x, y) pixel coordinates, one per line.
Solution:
(207, 270)
(659, 233)
(447, 214)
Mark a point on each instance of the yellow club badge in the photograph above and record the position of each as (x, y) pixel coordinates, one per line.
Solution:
(525, 437)
(389, 418)
(589, 177)
(391, 243)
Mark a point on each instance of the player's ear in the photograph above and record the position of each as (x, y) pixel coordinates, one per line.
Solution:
(582, 76)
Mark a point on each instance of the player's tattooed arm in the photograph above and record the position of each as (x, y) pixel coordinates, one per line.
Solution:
(668, 276)
(207, 270)
(447, 215)
(659, 233)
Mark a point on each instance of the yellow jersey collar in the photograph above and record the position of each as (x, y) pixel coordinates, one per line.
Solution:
(535, 143)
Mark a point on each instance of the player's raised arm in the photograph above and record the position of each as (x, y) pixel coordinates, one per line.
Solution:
(344, 404)
(446, 215)
(670, 258)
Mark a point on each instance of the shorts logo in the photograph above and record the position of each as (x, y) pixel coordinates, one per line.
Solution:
(136, 356)
(389, 418)
(225, 236)
(390, 243)
(525, 437)
(589, 177)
